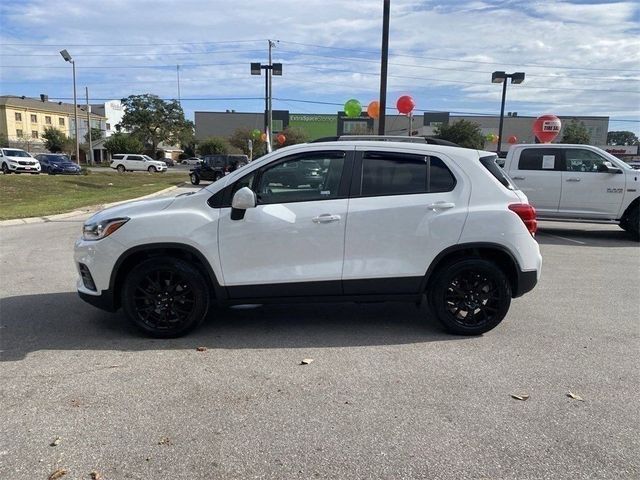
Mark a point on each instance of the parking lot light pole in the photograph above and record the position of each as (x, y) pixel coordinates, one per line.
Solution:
(67, 58)
(501, 77)
(270, 69)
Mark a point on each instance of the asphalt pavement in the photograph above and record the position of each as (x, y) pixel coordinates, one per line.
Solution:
(388, 395)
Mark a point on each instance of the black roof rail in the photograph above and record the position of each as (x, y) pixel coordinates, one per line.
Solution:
(389, 138)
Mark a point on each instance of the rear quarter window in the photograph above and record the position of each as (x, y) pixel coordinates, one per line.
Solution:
(490, 162)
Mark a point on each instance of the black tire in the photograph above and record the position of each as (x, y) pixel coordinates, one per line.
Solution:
(217, 177)
(630, 222)
(121, 168)
(5, 169)
(470, 296)
(165, 297)
(195, 179)
(152, 169)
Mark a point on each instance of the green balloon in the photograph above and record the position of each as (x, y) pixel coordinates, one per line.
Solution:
(256, 134)
(352, 108)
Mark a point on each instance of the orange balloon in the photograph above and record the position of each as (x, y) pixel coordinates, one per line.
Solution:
(513, 139)
(373, 110)
(281, 138)
(263, 137)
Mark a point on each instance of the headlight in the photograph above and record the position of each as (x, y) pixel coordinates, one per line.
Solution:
(102, 229)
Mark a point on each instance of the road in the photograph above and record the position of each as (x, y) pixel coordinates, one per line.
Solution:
(389, 395)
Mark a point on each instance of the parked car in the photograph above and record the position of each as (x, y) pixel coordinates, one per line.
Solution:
(577, 183)
(16, 160)
(192, 161)
(430, 221)
(133, 162)
(168, 161)
(57, 163)
(214, 167)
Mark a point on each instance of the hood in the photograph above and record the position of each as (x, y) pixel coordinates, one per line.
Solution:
(20, 159)
(133, 209)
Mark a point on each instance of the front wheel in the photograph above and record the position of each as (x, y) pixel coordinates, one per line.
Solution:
(470, 297)
(5, 169)
(152, 169)
(165, 297)
(631, 222)
(195, 179)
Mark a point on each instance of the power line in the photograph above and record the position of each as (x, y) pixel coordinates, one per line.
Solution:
(463, 61)
(58, 45)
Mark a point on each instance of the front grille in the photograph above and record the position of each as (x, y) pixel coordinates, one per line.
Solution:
(25, 162)
(87, 279)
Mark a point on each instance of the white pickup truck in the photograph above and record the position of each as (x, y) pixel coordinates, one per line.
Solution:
(577, 183)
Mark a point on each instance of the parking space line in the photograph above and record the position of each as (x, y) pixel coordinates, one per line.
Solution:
(564, 238)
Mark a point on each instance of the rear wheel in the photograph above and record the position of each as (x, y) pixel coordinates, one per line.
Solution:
(152, 169)
(165, 297)
(470, 297)
(121, 168)
(630, 222)
(195, 179)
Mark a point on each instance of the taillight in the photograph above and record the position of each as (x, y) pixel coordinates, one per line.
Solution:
(527, 214)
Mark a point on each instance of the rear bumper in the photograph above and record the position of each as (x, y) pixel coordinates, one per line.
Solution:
(526, 282)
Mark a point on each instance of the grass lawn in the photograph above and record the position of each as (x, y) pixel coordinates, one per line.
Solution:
(26, 195)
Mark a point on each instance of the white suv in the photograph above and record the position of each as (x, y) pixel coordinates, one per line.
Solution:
(387, 221)
(129, 162)
(15, 160)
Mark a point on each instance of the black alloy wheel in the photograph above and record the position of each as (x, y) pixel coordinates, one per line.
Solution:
(470, 297)
(165, 297)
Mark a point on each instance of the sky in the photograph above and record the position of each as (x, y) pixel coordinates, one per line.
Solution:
(579, 57)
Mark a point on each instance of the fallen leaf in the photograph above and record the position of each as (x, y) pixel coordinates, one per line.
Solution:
(56, 442)
(95, 475)
(306, 361)
(520, 396)
(75, 403)
(201, 349)
(164, 441)
(59, 473)
(575, 397)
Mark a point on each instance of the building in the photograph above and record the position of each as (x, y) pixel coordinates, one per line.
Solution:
(223, 124)
(23, 120)
(113, 111)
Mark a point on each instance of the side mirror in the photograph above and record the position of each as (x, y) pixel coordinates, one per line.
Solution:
(607, 167)
(243, 199)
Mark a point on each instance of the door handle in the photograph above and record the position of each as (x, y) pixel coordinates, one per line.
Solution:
(326, 218)
(573, 179)
(518, 178)
(440, 206)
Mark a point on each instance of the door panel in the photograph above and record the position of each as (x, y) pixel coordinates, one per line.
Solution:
(538, 173)
(588, 192)
(398, 235)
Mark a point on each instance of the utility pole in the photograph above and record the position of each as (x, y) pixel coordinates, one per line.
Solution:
(383, 66)
(90, 158)
(270, 93)
(178, 73)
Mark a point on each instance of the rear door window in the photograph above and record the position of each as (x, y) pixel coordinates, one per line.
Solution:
(541, 159)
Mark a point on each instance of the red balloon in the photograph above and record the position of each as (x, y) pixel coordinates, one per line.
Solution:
(513, 139)
(405, 104)
(546, 128)
(281, 138)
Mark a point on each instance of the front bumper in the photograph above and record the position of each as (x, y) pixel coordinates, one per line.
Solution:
(104, 300)
(24, 168)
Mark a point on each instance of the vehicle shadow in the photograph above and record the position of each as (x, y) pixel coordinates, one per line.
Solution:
(61, 321)
(591, 235)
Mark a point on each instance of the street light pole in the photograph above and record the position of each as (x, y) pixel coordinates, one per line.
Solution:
(501, 77)
(67, 58)
(270, 68)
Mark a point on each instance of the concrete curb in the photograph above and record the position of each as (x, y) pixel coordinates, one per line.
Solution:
(81, 211)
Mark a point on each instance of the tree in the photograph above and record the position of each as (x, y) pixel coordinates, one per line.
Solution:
(4, 141)
(464, 133)
(576, 133)
(240, 140)
(153, 120)
(214, 146)
(293, 136)
(56, 141)
(622, 137)
(96, 134)
(123, 143)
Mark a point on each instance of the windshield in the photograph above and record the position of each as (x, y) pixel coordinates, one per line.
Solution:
(616, 161)
(58, 158)
(147, 157)
(15, 153)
